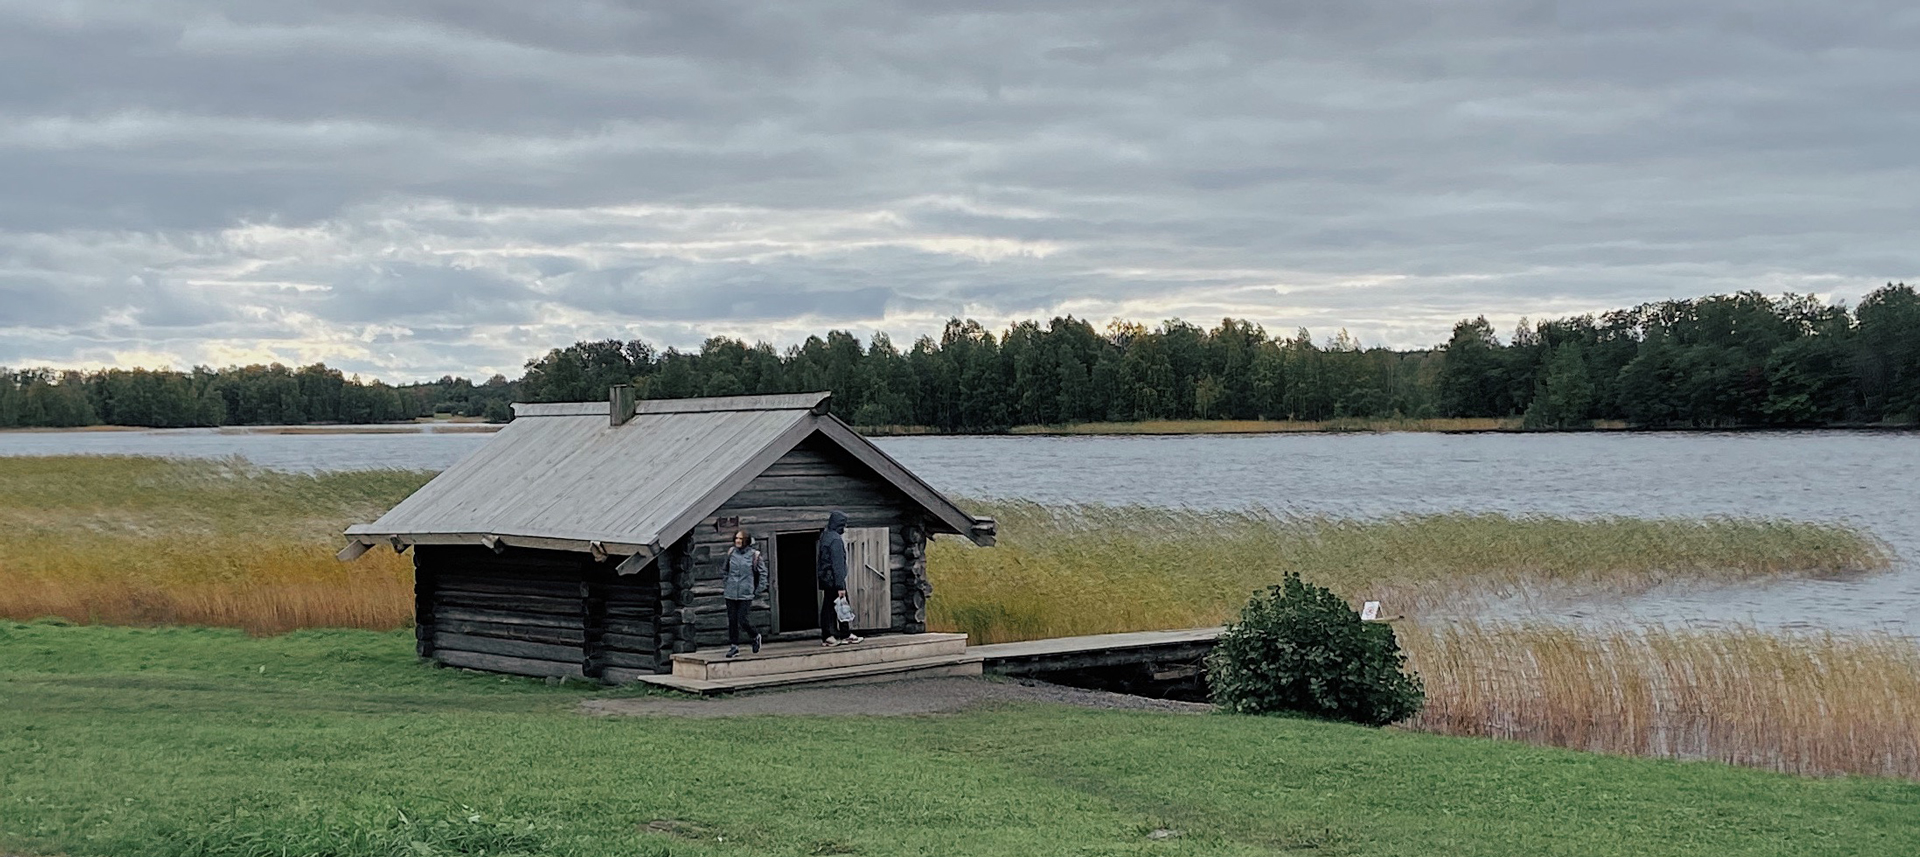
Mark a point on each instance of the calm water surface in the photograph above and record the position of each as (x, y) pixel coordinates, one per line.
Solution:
(408, 450)
(1868, 479)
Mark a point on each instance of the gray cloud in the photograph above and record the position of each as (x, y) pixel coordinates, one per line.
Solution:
(411, 292)
(38, 301)
(408, 189)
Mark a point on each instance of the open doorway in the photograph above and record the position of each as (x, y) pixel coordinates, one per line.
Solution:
(796, 598)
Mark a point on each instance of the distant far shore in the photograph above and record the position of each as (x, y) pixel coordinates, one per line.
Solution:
(414, 427)
(374, 428)
(1174, 427)
(67, 429)
(1440, 425)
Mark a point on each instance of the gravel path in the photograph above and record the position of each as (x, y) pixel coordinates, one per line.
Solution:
(888, 699)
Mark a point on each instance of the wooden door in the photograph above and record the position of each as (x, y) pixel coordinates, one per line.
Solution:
(869, 577)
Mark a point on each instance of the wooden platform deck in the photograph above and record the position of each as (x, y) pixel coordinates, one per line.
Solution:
(1095, 651)
(1145, 658)
(880, 658)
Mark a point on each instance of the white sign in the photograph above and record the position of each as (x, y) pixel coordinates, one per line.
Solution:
(1370, 611)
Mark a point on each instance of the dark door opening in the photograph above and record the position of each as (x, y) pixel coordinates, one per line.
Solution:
(796, 597)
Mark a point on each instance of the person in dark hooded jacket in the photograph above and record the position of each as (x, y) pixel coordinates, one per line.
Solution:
(830, 572)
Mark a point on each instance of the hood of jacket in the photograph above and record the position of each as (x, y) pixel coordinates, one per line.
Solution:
(837, 521)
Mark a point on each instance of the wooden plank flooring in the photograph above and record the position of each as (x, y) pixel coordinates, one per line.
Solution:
(1095, 643)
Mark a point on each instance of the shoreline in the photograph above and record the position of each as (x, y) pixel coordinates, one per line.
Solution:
(319, 428)
(374, 428)
(1461, 425)
(1145, 428)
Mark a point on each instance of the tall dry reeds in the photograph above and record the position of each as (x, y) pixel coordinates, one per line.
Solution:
(147, 541)
(263, 586)
(1800, 703)
(1068, 570)
(155, 541)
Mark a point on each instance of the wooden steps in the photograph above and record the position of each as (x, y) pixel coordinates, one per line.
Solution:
(883, 658)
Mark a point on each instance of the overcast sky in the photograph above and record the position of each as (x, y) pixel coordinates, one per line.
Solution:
(404, 188)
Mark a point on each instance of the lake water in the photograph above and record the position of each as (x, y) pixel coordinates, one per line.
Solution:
(1870, 479)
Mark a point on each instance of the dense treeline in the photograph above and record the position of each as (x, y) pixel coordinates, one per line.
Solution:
(969, 379)
(1722, 361)
(244, 395)
(1728, 360)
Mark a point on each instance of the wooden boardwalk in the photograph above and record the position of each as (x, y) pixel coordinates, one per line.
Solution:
(1152, 657)
(1095, 651)
(885, 657)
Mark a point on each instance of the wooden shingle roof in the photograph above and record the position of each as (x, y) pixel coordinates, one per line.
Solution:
(562, 476)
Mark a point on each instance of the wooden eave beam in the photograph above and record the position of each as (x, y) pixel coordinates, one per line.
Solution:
(365, 539)
(633, 564)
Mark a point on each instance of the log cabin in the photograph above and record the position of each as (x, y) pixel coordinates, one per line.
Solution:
(588, 540)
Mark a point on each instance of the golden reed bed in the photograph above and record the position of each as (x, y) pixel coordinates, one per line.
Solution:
(145, 541)
(1069, 570)
(1800, 703)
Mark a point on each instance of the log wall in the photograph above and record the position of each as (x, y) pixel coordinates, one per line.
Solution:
(629, 640)
(531, 612)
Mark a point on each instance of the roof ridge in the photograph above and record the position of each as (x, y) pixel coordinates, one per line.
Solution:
(718, 404)
(699, 405)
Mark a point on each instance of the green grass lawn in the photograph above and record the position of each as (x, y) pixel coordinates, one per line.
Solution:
(117, 741)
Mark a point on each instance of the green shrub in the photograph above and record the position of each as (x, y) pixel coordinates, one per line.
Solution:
(1298, 648)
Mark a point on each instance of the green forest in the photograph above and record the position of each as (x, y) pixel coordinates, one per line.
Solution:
(241, 395)
(1723, 361)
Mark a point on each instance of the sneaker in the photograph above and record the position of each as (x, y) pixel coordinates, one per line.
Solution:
(852, 638)
(756, 644)
(829, 642)
(733, 651)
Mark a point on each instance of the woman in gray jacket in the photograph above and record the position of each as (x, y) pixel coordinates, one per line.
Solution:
(746, 578)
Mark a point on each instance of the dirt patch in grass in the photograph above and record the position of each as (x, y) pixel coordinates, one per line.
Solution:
(887, 699)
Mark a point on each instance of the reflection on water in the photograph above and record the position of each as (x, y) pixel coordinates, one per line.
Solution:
(1867, 479)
